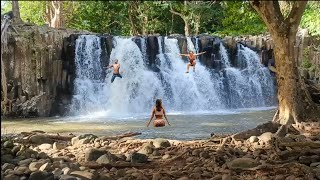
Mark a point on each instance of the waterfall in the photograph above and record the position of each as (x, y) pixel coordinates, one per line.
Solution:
(134, 95)
(250, 85)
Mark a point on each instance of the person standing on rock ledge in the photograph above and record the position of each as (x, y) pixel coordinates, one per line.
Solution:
(159, 112)
(192, 59)
(116, 67)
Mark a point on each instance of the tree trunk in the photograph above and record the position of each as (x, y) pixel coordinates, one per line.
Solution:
(56, 20)
(294, 103)
(16, 12)
(186, 22)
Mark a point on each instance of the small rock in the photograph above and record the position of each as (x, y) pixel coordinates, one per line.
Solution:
(25, 162)
(156, 176)
(45, 146)
(67, 177)
(217, 177)
(138, 158)
(66, 170)
(8, 144)
(253, 139)
(161, 143)
(11, 177)
(167, 156)
(314, 164)
(58, 146)
(42, 155)
(7, 166)
(121, 173)
(15, 149)
(243, 163)
(183, 178)
(266, 137)
(204, 155)
(41, 175)
(195, 175)
(147, 148)
(156, 153)
(84, 175)
(6, 158)
(280, 177)
(45, 167)
(34, 166)
(226, 177)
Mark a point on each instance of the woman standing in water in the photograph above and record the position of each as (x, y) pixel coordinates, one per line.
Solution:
(158, 111)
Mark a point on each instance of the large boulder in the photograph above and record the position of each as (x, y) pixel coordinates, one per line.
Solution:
(92, 154)
(40, 139)
(138, 158)
(107, 158)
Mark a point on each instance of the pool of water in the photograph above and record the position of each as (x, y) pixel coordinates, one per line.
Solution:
(185, 125)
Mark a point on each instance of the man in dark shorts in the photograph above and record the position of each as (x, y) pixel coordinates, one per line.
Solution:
(116, 67)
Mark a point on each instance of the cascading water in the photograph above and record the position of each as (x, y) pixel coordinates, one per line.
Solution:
(135, 93)
(248, 86)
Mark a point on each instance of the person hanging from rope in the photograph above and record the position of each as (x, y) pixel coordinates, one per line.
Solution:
(116, 67)
(192, 60)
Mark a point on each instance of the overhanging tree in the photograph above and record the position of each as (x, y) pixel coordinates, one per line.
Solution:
(295, 104)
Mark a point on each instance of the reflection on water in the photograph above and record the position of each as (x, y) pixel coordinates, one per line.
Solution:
(185, 126)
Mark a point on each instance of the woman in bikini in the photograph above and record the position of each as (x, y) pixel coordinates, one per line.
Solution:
(158, 111)
(192, 59)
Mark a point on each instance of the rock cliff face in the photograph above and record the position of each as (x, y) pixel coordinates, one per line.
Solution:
(35, 72)
(40, 64)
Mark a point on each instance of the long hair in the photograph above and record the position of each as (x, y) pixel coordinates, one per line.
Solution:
(158, 104)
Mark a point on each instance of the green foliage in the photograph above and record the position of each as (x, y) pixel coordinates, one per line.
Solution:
(240, 18)
(311, 18)
(154, 17)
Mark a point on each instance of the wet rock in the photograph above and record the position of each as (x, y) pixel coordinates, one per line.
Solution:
(161, 143)
(243, 163)
(8, 144)
(84, 175)
(68, 177)
(41, 175)
(7, 166)
(40, 139)
(45, 146)
(138, 158)
(92, 154)
(253, 139)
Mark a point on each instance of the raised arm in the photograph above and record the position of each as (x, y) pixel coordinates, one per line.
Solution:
(108, 66)
(151, 117)
(184, 54)
(165, 116)
(200, 53)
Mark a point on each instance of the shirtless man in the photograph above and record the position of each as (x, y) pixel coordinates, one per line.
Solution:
(116, 68)
(192, 59)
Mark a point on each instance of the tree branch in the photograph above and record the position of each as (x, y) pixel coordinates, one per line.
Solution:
(176, 13)
(296, 12)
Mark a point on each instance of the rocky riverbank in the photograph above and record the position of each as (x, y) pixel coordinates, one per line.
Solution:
(41, 156)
